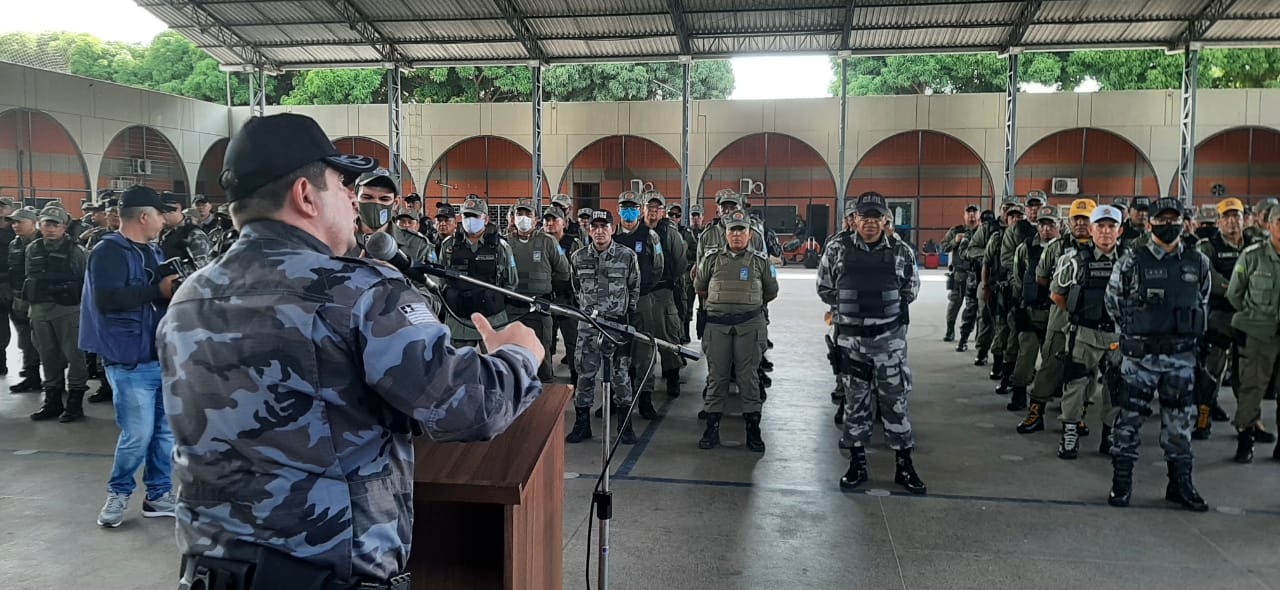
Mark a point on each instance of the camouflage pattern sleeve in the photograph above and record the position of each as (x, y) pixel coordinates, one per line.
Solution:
(908, 276)
(633, 282)
(200, 247)
(1208, 277)
(831, 258)
(457, 394)
(1119, 287)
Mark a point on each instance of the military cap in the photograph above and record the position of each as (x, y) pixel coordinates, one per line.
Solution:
(675, 208)
(1207, 214)
(562, 200)
(55, 214)
(1230, 204)
(987, 216)
(728, 196)
(57, 204)
(413, 198)
(1102, 212)
(1167, 204)
(971, 207)
(92, 207)
(526, 204)
(628, 197)
(21, 214)
(1120, 203)
(652, 196)
(695, 209)
(10, 203)
(474, 205)
(171, 200)
(406, 215)
(1140, 203)
(1082, 207)
(850, 207)
(1047, 213)
(200, 199)
(555, 212)
(737, 219)
(601, 216)
(445, 210)
(1009, 202)
(1016, 208)
(871, 201)
(1036, 196)
(380, 177)
(584, 212)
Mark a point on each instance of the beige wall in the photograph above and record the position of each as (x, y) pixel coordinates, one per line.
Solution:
(95, 111)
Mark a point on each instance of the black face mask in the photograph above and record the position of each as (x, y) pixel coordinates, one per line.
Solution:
(1167, 233)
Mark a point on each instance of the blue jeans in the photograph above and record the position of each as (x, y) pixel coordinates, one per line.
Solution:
(144, 430)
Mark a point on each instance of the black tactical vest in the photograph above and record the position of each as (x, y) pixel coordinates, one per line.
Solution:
(1167, 300)
(638, 242)
(669, 277)
(50, 278)
(1086, 300)
(868, 283)
(17, 259)
(1224, 261)
(482, 264)
(1034, 295)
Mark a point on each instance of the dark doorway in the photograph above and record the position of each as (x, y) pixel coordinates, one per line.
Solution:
(586, 194)
(818, 218)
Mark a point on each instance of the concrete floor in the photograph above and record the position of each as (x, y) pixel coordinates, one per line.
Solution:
(1002, 510)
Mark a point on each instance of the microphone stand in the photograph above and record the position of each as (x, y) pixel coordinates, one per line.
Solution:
(617, 333)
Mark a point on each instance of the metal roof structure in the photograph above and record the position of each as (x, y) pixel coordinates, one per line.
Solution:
(310, 34)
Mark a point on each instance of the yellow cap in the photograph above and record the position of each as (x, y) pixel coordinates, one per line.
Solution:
(1082, 207)
(1230, 204)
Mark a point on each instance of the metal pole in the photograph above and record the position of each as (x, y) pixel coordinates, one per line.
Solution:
(258, 92)
(537, 133)
(844, 118)
(1010, 124)
(228, 88)
(394, 119)
(1187, 145)
(605, 513)
(687, 109)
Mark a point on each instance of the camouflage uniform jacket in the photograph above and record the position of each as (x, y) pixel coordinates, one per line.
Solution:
(832, 266)
(607, 282)
(287, 375)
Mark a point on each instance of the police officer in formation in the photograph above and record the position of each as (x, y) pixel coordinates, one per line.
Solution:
(734, 284)
(1223, 250)
(25, 225)
(96, 219)
(7, 207)
(1254, 292)
(637, 236)
(1049, 378)
(1136, 226)
(446, 226)
(958, 293)
(225, 233)
(1079, 288)
(977, 254)
(1002, 284)
(183, 241)
(564, 203)
(870, 280)
(684, 293)
(607, 279)
(583, 224)
(55, 266)
(663, 311)
(1158, 295)
(540, 262)
(554, 223)
(478, 251)
(1030, 307)
(377, 192)
(834, 355)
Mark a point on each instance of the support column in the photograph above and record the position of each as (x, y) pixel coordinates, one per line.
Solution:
(537, 136)
(1187, 145)
(842, 183)
(1010, 125)
(394, 120)
(258, 92)
(687, 110)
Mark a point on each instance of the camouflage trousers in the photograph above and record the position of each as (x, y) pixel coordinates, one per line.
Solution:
(962, 296)
(876, 374)
(590, 351)
(1172, 378)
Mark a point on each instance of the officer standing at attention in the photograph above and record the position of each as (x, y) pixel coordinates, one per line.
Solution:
(377, 192)
(55, 267)
(564, 203)
(480, 253)
(665, 316)
(446, 227)
(1080, 288)
(1003, 281)
(833, 350)
(1256, 230)
(870, 281)
(7, 207)
(684, 285)
(97, 224)
(1031, 306)
(182, 238)
(976, 253)
(1159, 297)
(1137, 224)
(23, 222)
(713, 236)
(958, 279)
(553, 223)
(606, 276)
(735, 284)
(647, 245)
(1255, 293)
(348, 347)
(540, 262)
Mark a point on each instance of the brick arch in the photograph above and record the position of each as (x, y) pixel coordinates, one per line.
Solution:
(210, 168)
(363, 146)
(611, 162)
(494, 167)
(1245, 160)
(40, 160)
(1106, 164)
(141, 142)
(793, 172)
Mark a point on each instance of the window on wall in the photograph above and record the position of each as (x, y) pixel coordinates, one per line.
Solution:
(39, 161)
(142, 155)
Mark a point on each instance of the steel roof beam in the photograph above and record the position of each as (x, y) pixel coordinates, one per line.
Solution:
(1018, 30)
(1209, 16)
(848, 25)
(364, 27)
(676, 8)
(208, 24)
(521, 30)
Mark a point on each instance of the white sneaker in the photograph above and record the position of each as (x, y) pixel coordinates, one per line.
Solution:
(162, 506)
(113, 511)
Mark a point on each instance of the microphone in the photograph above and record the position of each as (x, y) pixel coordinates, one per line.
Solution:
(381, 246)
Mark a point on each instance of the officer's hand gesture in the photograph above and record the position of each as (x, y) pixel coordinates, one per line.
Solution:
(167, 287)
(515, 333)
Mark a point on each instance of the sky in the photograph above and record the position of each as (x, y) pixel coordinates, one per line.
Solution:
(123, 20)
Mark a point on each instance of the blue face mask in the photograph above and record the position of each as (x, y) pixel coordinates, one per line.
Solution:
(629, 214)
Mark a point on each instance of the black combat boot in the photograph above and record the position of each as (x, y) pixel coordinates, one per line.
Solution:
(74, 409)
(997, 367)
(1104, 445)
(1004, 388)
(1180, 489)
(1069, 446)
(857, 473)
(1121, 482)
(626, 434)
(1204, 425)
(981, 359)
(754, 441)
(103, 394)
(52, 406)
(963, 344)
(1217, 414)
(711, 436)
(581, 425)
(766, 364)
(645, 406)
(1261, 435)
(951, 334)
(91, 365)
(673, 383)
(29, 384)
(840, 413)
(1019, 401)
(1034, 422)
(1244, 446)
(905, 473)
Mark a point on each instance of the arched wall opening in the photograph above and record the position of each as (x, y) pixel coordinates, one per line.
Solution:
(1102, 164)
(142, 155)
(798, 192)
(210, 170)
(605, 168)
(495, 168)
(363, 146)
(1243, 162)
(40, 162)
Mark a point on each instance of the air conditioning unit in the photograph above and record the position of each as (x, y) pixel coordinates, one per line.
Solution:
(140, 166)
(1066, 186)
(120, 183)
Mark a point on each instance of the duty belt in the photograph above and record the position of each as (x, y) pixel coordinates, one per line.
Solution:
(733, 319)
(871, 331)
(1142, 347)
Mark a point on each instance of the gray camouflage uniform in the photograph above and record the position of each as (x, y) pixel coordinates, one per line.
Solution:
(290, 375)
(607, 282)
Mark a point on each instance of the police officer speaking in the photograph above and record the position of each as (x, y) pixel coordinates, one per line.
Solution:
(292, 376)
(734, 283)
(1159, 297)
(870, 280)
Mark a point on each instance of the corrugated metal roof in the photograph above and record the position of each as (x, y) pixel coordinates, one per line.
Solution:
(312, 33)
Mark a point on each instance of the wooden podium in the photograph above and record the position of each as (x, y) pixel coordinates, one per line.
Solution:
(489, 515)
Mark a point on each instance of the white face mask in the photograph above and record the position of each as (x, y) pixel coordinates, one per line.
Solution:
(473, 225)
(524, 224)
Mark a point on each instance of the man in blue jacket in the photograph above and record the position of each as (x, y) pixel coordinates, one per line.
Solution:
(125, 294)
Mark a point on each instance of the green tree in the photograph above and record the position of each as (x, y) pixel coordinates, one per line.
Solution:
(469, 84)
(648, 81)
(942, 74)
(335, 87)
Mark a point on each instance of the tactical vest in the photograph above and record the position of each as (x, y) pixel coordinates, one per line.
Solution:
(638, 242)
(1224, 261)
(732, 282)
(1167, 300)
(669, 278)
(1130, 233)
(533, 264)
(868, 284)
(6, 236)
(1086, 299)
(958, 261)
(50, 278)
(17, 258)
(1034, 295)
(997, 272)
(482, 264)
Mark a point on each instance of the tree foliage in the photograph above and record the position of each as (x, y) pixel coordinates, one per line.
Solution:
(336, 87)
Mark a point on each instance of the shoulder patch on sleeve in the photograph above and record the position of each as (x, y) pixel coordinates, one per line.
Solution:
(418, 313)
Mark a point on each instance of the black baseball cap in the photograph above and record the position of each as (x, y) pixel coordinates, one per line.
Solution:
(872, 201)
(1168, 204)
(173, 201)
(601, 216)
(267, 148)
(1141, 203)
(144, 196)
(413, 198)
(445, 210)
